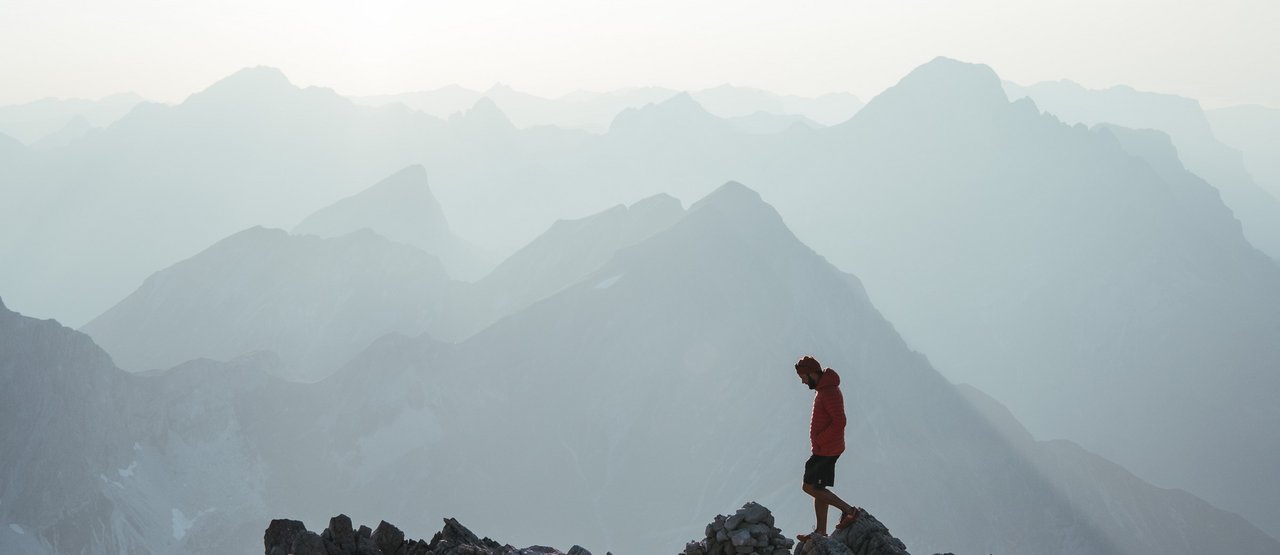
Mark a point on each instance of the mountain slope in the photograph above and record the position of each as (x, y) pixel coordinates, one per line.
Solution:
(624, 408)
(1255, 131)
(100, 461)
(1102, 295)
(34, 121)
(402, 209)
(660, 386)
(1188, 126)
(314, 302)
(571, 250)
(164, 181)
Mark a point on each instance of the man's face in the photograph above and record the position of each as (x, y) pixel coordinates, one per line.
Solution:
(810, 379)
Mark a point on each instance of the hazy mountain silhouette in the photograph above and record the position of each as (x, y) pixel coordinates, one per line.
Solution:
(594, 111)
(37, 120)
(10, 147)
(1103, 296)
(165, 181)
(673, 361)
(1186, 123)
(401, 208)
(678, 114)
(441, 103)
(663, 378)
(77, 128)
(1081, 276)
(728, 101)
(827, 109)
(1020, 253)
(1255, 131)
(314, 302)
(567, 252)
(765, 123)
(101, 461)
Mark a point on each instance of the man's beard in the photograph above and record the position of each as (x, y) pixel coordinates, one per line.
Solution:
(812, 381)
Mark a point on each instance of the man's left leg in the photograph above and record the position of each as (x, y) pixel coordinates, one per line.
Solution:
(823, 499)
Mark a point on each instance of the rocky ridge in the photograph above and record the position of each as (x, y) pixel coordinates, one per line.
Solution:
(291, 537)
(750, 530)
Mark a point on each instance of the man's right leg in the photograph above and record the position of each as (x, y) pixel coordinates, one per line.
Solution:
(820, 505)
(828, 497)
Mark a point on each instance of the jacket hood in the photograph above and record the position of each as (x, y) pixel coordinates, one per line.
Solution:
(829, 379)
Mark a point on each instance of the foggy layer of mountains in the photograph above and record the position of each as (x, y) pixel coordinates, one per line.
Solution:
(1055, 311)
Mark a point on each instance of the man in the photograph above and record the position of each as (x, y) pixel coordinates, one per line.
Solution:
(826, 434)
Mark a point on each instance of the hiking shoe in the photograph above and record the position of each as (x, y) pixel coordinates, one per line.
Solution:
(847, 519)
(803, 538)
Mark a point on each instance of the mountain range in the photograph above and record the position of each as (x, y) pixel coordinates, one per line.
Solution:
(1188, 127)
(37, 121)
(594, 111)
(648, 391)
(1097, 281)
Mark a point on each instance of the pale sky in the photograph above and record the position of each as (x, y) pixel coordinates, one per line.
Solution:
(1221, 52)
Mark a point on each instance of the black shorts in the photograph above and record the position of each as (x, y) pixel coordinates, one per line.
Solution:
(820, 471)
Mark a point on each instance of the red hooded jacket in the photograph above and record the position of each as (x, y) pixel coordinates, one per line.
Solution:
(826, 429)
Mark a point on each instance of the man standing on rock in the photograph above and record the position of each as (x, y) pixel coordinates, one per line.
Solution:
(826, 434)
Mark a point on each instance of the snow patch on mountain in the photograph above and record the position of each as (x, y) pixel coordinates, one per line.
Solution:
(608, 282)
(107, 480)
(182, 524)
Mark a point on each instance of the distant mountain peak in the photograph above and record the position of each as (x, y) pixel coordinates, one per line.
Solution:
(736, 206)
(731, 192)
(412, 178)
(681, 109)
(486, 114)
(949, 77)
(251, 80)
(658, 201)
(682, 100)
(940, 90)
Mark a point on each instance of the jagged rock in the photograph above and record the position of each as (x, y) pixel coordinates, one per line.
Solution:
(823, 546)
(280, 534)
(308, 543)
(388, 538)
(756, 513)
(365, 545)
(290, 537)
(867, 536)
(342, 534)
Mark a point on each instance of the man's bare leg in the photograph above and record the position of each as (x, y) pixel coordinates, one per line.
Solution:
(823, 499)
(820, 511)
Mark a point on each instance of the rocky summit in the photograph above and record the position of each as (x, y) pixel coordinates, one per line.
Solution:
(291, 537)
(750, 530)
(866, 536)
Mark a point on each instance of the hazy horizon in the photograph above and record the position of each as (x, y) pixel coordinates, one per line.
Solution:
(1215, 53)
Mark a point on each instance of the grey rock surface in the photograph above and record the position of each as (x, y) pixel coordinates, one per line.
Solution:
(749, 530)
(290, 537)
(867, 536)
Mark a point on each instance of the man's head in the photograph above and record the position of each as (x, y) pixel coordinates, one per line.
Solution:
(809, 370)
